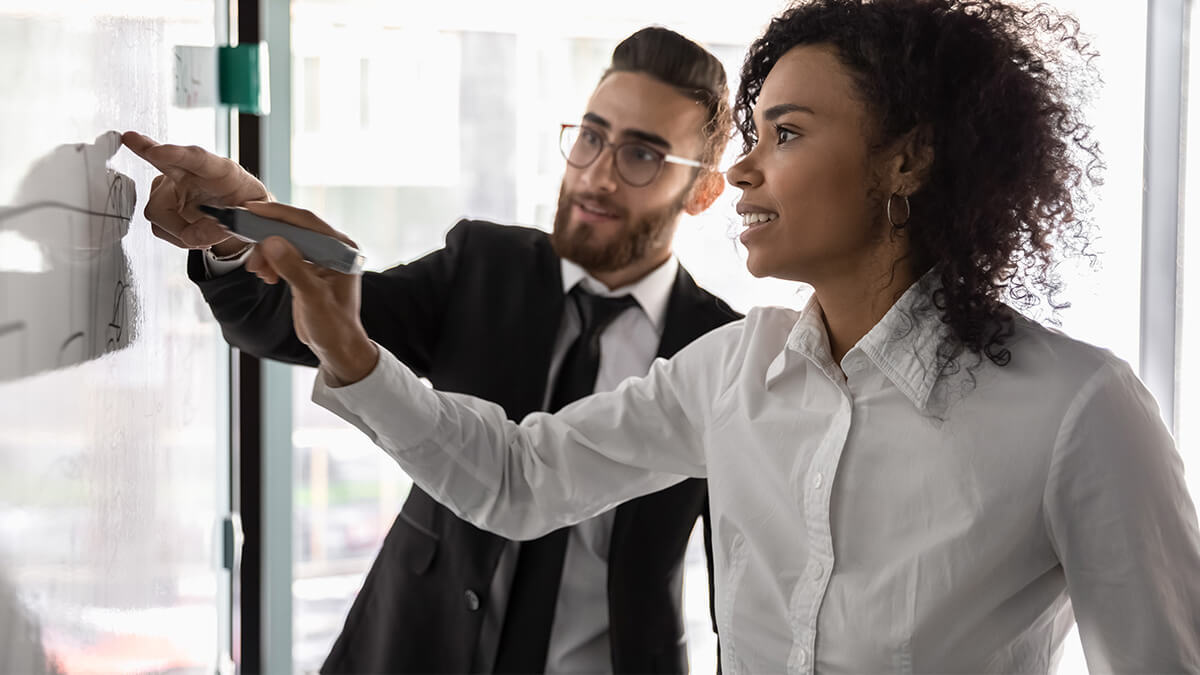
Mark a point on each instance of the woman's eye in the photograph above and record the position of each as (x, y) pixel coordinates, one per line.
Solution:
(784, 135)
(588, 136)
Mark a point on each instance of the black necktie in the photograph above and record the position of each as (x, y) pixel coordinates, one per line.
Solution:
(525, 635)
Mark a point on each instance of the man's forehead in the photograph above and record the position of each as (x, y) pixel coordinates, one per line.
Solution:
(637, 103)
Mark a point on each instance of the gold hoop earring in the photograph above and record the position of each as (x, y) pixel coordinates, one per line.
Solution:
(907, 211)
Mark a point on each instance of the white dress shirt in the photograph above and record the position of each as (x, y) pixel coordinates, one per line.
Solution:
(216, 267)
(891, 519)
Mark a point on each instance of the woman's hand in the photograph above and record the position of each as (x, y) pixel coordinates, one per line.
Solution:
(325, 303)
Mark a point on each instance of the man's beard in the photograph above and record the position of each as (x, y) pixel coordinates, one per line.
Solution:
(579, 244)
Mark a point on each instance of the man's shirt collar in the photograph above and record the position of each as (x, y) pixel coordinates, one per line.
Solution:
(652, 291)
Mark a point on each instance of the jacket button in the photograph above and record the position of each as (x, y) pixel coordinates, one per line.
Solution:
(472, 600)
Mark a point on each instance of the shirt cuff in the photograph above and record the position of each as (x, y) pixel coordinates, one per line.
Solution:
(390, 405)
(216, 267)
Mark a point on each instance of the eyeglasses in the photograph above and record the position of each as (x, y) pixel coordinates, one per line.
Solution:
(637, 164)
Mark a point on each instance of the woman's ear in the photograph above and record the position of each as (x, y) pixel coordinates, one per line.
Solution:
(705, 189)
(913, 160)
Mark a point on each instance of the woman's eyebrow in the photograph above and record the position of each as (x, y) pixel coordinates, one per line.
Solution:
(776, 111)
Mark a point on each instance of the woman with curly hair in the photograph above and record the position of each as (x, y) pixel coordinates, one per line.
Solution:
(907, 475)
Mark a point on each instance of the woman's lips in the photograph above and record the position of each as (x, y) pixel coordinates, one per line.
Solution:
(755, 221)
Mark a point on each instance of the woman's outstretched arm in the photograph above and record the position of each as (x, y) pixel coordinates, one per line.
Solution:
(549, 471)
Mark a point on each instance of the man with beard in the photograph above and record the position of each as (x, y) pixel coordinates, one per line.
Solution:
(531, 322)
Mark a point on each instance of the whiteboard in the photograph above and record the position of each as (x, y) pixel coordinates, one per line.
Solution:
(114, 468)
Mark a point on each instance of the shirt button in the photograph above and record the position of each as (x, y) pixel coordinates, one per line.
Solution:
(818, 481)
(802, 657)
(817, 570)
(472, 600)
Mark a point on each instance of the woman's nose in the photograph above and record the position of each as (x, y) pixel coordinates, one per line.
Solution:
(743, 173)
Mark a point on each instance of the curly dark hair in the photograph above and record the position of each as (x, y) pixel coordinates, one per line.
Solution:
(995, 90)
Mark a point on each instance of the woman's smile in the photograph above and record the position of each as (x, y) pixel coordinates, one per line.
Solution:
(754, 219)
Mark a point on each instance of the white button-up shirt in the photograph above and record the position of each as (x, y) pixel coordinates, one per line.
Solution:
(896, 518)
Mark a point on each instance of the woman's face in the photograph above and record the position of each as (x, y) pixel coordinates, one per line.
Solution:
(810, 201)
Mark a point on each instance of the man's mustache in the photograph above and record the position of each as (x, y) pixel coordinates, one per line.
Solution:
(599, 201)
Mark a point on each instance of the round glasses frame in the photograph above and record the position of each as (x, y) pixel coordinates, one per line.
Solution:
(568, 138)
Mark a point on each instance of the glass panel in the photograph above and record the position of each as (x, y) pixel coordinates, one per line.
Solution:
(1105, 301)
(1187, 413)
(398, 173)
(457, 114)
(113, 376)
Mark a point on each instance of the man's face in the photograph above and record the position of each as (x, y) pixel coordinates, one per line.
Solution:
(603, 223)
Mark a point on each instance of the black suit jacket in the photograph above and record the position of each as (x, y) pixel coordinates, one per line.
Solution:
(480, 317)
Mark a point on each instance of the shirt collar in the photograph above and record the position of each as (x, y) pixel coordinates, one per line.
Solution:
(652, 291)
(903, 345)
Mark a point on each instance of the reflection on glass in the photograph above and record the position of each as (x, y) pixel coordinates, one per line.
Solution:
(64, 228)
(21, 636)
(113, 433)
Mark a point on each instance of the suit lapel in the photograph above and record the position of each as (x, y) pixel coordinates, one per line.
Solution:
(541, 309)
(684, 320)
(539, 302)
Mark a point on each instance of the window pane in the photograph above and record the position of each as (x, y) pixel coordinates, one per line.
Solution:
(464, 108)
(415, 126)
(1187, 413)
(114, 453)
(1105, 300)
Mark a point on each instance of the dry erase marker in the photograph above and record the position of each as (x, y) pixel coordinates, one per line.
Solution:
(319, 249)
